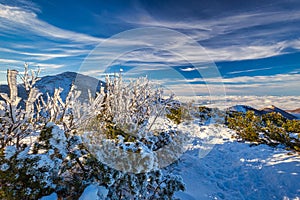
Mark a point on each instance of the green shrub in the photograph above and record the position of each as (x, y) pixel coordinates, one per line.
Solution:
(292, 126)
(180, 113)
(247, 126)
(175, 114)
(273, 127)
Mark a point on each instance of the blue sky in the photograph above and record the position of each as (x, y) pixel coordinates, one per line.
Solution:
(255, 45)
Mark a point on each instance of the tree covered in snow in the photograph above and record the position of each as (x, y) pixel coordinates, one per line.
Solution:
(50, 145)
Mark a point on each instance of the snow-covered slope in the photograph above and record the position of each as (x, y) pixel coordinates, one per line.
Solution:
(47, 84)
(243, 109)
(65, 80)
(233, 170)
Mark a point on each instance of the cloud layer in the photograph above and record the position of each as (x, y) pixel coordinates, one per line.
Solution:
(227, 33)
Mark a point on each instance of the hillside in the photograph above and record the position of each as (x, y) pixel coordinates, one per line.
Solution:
(47, 84)
(278, 110)
(269, 109)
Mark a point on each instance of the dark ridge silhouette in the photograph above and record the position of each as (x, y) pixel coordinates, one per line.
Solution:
(273, 108)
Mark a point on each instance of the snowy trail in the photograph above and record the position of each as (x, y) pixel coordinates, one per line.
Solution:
(233, 170)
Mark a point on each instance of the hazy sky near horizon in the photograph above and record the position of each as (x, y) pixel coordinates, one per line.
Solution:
(254, 45)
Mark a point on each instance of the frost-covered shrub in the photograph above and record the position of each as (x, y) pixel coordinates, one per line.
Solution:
(176, 114)
(133, 135)
(127, 108)
(42, 150)
(40, 168)
(132, 117)
(154, 185)
(17, 123)
(179, 112)
(33, 171)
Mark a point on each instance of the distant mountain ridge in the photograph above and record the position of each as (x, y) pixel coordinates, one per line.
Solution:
(294, 111)
(272, 108)
(83, 83)
(47, 84)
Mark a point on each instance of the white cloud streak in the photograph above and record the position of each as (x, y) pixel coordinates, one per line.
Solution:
(250, 70)
(55, 43)
(239, 46)
(16, 19)
(189, 69)
(66, 44)
(281, 84)
(10, 61)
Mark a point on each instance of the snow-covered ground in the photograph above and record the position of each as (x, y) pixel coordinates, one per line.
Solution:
(233, 170)
(216, 166)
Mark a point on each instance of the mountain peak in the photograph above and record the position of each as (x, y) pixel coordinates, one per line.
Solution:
(48, 84)
(64, 80)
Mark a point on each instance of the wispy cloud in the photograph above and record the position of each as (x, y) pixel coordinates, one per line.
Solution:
(232, 37)
(286, 88)
(43, 66)
(249, 70)
(189, 69)
(273, 79)
(24, 4)
(202, 29)
(280, 84)
(237, 36)
(10, 61)
(53, 47)
(19, 19)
